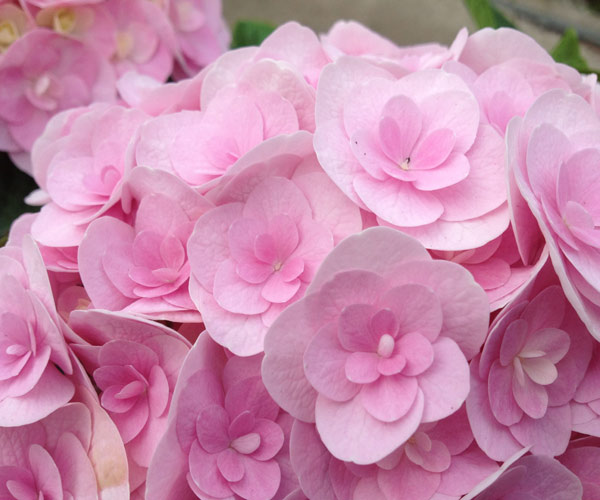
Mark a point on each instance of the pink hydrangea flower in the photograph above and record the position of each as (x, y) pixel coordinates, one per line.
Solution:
(554, 153)
(135, 364)
(276, 219)
(34, 358)
(439, 461)
(89, 22)
(200, 30)
(75, 452)
(43, 73)
(534, 358)
(80, 162)
(413, 152)
(508, 70)
(497, 267)
(354, 39)
(378, 345)
(226, 435)
(143, 267)
(145, 41)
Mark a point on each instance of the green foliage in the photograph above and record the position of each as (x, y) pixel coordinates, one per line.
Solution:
(567, 51)
(246, 33)
(14, 186)
(486, 15)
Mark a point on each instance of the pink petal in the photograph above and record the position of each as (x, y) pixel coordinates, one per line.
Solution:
(351, 434)
(354, 328)
(531, 397)
(324, 366)
(399, 127)
(205, 473)
(236, 295)
(389, 398)
(211, 428)
(230, 465)
(261, 480)
(362, 367)
(445, 384)
(501, 399)
(418, 352)
(548, 435)
(416, 308)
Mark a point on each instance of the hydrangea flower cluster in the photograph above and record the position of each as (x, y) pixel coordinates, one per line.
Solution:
(323, 268)
(61, 54)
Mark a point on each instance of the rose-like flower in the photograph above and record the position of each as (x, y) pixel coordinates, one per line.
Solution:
(43, 73)
(145, 41)
(534, 358)
(75, 452)
(378, 345)
(143, 267)
(134, 363)
(34, 357)
(80, 163)
(226, 437)
(413, 152)
(554, 153)
(439, 459)
(256, 252)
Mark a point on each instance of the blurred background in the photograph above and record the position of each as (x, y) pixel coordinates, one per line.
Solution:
(420, 21)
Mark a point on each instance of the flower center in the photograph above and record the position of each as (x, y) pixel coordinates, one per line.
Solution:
(246, 444)
(386, 345)
(124, 44)
(8, 34)
(64, 20)
(405, 165)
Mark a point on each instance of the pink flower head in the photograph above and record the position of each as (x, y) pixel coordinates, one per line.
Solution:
(534, 358)
(145, 41)
(378, 345)
(134, 363)
(43, 73)
(80, 161)
(508, 70)
(233, 123)
(34, 357)
(143, 267)
(256, 252)
(354, 39)
(74, 452)
(497, 267)
(439, 459)
(226, 435)
(554, 153)
(89, 22)
(412, 151)
(201, 32)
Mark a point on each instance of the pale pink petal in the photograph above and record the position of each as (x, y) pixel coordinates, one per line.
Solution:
(389, 398)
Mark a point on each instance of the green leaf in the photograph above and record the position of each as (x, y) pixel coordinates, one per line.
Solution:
(246, 33)
(14, 187)
(486, 15)
(567, 51)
